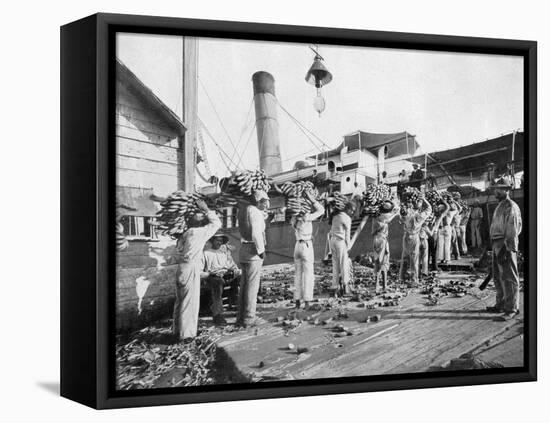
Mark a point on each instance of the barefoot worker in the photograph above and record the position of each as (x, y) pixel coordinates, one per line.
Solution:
(428, 243)
(303, 252)
(251, 219)
(413, 219)
(380, 224)
(190, 245)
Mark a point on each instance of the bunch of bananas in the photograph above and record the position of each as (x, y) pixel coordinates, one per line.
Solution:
(447, 196)
(172, 218)
(409, 198)
(373, 198)
(121, 241)
(245, 182)
(339, 201)
(434, 198)
(296, 201)
(298, 189)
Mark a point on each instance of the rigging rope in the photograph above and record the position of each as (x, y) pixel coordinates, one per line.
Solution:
(246, 145)
(221, 150)
(216, 113)
(304, 128)
(244, 128)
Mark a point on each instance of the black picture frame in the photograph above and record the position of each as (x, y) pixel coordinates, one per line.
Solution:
(87, 209)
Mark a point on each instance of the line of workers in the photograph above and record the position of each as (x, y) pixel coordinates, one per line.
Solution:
(425, 238)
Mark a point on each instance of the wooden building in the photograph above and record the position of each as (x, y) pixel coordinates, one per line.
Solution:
(149, 161)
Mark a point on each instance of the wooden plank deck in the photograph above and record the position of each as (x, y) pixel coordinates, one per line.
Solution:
(411, 337)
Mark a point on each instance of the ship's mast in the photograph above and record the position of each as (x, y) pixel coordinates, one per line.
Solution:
(187, 143)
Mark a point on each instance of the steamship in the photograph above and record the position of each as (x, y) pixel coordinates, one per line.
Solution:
(362, 158)
(153, 159)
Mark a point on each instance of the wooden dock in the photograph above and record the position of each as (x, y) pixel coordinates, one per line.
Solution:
(410, 337)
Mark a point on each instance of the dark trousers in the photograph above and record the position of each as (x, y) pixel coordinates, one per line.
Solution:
(432, 253)
(216, 285)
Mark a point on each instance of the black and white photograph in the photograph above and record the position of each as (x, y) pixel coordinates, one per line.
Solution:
(293, 211)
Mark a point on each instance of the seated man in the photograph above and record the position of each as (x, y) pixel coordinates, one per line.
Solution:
(219, 268)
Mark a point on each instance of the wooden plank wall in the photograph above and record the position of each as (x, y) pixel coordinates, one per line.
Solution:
(147, 148)
(145, 278)
(147, 157)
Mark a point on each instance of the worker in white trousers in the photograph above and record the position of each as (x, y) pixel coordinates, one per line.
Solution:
(251, 219)
(445, 234)
(202, 226)
(413, 218)
(303, 252)
(340, 244)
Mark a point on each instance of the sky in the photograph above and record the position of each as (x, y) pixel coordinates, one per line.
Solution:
(445, 99)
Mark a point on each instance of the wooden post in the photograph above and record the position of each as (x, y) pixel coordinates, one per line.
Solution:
(187, 142)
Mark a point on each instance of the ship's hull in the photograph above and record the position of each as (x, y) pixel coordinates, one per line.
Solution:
(281, 240)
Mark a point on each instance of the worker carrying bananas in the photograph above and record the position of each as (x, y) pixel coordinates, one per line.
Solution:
(428, 236)
(340, 244)
(202, 226)
(251, 217)
(505, 229)
(445, 233)
(303, 251)
(412, 219)
(380, 224)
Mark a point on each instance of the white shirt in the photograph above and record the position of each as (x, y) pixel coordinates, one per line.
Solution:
(303, 228)
(341, 227)
(257, 223)
(192, 242)
(216, 260)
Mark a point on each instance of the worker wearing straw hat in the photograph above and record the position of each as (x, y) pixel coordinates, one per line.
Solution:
(505, 229)
(303, 252)
(219, 268)
(251, 218)
(202, 226)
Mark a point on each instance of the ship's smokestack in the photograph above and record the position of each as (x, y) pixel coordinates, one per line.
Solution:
(267, 126)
